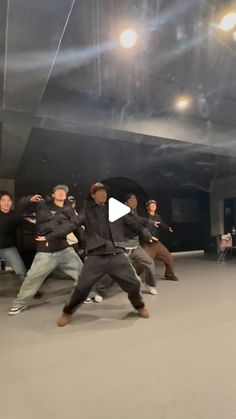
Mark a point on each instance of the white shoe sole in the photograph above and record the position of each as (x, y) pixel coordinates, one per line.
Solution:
(151, 291)
(90, 301)
(15, 313)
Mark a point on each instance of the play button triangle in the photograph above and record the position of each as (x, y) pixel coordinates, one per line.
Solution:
(116, 210)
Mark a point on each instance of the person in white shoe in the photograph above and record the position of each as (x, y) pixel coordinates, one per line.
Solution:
(137, 256)
(53, 252)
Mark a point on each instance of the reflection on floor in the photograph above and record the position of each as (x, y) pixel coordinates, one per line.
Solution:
(179, 364)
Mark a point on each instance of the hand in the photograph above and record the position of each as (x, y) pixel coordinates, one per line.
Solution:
(35, 198)
(41, 239)
(153, 240)
(157, 224)
(171, 230)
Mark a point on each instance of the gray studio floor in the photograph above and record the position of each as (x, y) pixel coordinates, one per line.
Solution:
(179, 364)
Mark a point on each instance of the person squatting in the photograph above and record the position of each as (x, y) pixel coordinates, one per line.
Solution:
(85, 246)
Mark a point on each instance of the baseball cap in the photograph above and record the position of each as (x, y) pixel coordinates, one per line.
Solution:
(63, 187)
(96, 186)
(151, 201)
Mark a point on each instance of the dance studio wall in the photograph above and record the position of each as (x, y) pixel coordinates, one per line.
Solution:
(221, 189)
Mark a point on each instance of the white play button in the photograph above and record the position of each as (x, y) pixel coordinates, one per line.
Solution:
(116, 209)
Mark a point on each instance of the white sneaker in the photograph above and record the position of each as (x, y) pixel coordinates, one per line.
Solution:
(14, 311)
(98, 298)
(152, 290)
(88, 301)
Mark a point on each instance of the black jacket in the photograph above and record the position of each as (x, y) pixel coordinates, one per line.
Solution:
(9, 223)
(156, 231)
(8, 228)
(98, 230)
(48, 217)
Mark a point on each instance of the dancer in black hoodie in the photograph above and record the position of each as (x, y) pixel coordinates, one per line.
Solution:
(106, 254)
(137, 255)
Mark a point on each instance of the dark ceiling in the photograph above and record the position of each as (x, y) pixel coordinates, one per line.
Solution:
(61, 70)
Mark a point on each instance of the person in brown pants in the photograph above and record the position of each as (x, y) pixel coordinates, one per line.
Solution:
(157, 250)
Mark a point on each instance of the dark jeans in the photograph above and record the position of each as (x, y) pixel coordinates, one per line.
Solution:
(95, 268)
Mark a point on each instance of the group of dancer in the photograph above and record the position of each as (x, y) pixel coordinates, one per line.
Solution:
(117, 251)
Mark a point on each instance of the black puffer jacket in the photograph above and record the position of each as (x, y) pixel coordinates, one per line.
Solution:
(98, 229)
(48, 217)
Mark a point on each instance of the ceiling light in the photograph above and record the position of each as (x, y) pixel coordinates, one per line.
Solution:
(182, 103)
(128, 38)
(228, 22)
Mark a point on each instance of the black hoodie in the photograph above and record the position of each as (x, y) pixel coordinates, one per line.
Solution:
(9, 223)
(102, 236)
(156, 231)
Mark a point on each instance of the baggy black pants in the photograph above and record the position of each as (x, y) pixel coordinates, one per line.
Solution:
(96, 267)
(138, 257)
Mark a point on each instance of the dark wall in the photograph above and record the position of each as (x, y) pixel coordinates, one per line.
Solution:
(165, 174)
(191, 234)
(194, 232)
